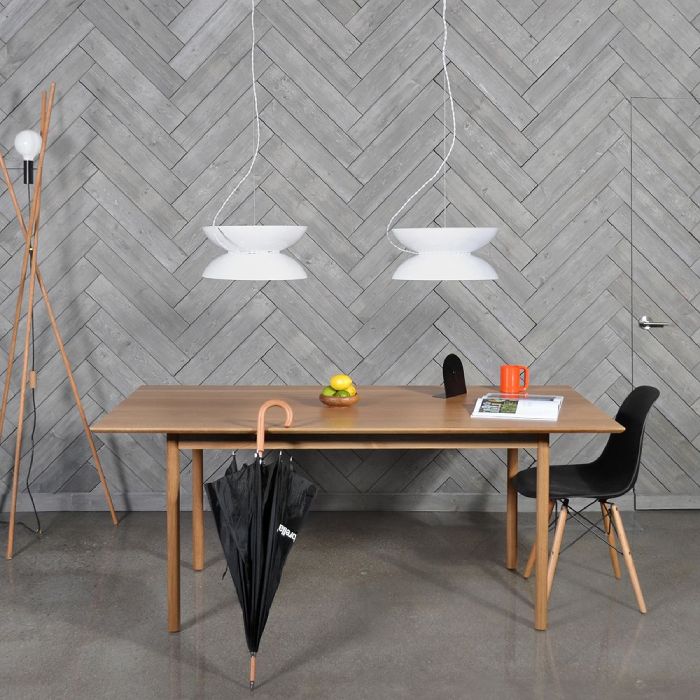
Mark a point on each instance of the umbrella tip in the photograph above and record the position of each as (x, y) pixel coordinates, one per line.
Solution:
(252, 672)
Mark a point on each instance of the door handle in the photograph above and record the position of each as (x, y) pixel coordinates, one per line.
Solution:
(647, 324)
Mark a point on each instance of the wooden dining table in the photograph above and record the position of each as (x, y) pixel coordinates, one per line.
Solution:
(198, 418)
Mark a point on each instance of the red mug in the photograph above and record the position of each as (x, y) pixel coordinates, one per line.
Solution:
(511, 376)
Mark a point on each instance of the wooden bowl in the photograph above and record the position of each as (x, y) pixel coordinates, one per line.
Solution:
(339, 401)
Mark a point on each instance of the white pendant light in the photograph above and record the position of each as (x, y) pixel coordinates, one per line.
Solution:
(253, 252)
(441, 253)
(444, 254)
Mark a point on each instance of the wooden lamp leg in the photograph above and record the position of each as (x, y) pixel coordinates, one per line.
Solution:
(76, 396)
(627, 554)
(13, 339)
(22, 398)
(531, 559)
(20, 291)
(607, 525)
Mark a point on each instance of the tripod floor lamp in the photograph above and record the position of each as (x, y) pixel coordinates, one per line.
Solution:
(30, 144)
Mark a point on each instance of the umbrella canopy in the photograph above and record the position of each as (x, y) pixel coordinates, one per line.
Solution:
(259, 510)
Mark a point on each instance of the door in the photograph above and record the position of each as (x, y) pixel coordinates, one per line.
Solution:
(664, 260)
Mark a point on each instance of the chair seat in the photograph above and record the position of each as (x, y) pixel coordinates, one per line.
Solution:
(573, 481)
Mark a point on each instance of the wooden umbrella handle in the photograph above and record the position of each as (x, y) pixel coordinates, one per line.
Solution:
(260, 437)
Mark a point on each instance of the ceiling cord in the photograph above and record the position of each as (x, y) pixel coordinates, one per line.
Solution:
(257, 123)
(435, 175)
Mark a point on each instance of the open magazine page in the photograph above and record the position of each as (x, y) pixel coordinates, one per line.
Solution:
(527, 407)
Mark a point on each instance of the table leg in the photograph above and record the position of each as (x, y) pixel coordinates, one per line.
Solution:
(173, 521)
(542, 533)
(197, 510)
(512, 512)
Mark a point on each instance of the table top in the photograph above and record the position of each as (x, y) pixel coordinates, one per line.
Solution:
(381, 410)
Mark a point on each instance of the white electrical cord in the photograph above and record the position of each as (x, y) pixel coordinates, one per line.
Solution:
(446, 156)
(257, 124)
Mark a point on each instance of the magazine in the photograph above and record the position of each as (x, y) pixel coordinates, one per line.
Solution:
(513, 407)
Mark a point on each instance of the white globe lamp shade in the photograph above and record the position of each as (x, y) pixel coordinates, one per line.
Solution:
(254, 253)
(28, 144)
(444, 254)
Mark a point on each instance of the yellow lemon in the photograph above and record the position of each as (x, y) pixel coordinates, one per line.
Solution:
(351, 390)
(340, 381)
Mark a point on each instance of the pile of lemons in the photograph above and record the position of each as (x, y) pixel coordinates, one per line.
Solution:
(340, 385)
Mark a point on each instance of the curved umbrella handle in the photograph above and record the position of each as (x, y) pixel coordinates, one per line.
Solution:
(260, 437)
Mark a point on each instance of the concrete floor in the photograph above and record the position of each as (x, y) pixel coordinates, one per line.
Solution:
(371, 605)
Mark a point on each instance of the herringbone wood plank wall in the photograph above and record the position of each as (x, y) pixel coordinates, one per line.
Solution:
(153, 124)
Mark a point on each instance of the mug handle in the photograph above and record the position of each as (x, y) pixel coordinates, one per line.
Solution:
(526, 371)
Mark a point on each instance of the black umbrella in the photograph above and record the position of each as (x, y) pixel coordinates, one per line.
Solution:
(258, 512)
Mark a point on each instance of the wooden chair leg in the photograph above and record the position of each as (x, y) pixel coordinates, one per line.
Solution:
(626, 552)
(529, 567)
(556, 547)
(607, 524)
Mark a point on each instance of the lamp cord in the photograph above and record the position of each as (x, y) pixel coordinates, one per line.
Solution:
(257, 125)
(32, 389)
(442, 166)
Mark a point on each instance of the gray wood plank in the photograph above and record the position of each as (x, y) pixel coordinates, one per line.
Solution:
(314, 154)
(209, 36)
(570, 28)
(133, 185)
(574, 96)
(307, 113)
(326, 26)
(35, 32)
(192, 17)
(664, 47)
(315, 85)
(383, 75)
(138, 224)
(132, 80)
(490, 82)
(137, 324)
(383, 112)
(140, 53)
(490, 46)
(572, 61)
(15, 15)
(40, 64)
(232, 50)
(131, 114)
(673, 23)
(123, 244)
(370, 16)
(383, 39)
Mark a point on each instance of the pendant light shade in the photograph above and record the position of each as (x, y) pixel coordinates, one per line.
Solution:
(444, 254)
(254, 253)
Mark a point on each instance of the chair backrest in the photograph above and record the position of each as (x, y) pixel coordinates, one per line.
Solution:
(623, 452)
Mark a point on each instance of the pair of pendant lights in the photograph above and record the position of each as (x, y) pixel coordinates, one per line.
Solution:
(441, 253)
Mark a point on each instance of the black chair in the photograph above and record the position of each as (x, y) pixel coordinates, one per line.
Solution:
(611, 475)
